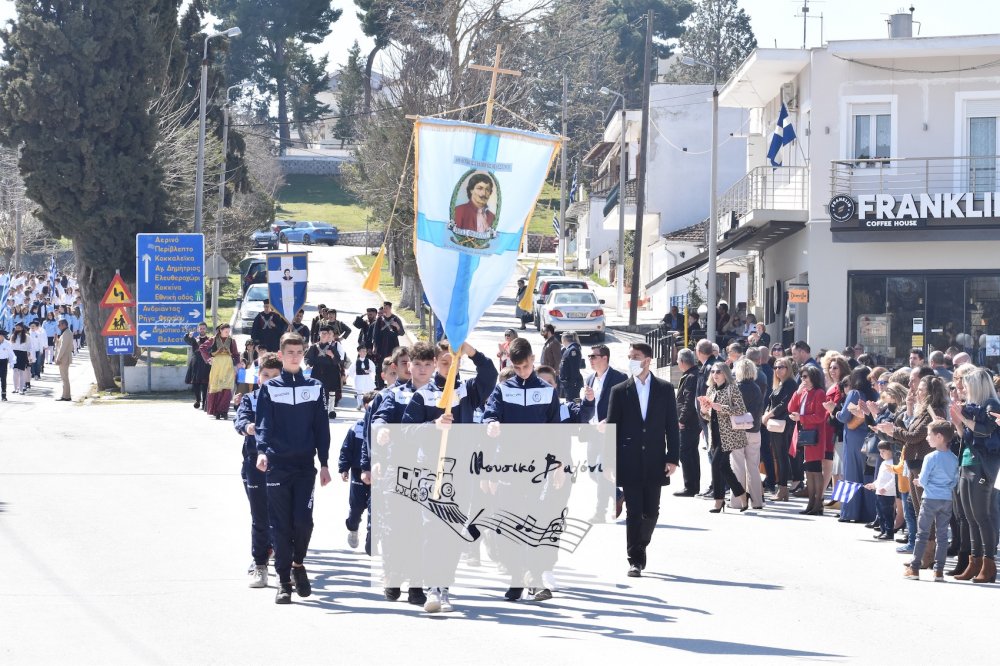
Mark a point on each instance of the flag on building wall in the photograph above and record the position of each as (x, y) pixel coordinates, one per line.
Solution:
(783, 135)
(476, 189)
(287, 278)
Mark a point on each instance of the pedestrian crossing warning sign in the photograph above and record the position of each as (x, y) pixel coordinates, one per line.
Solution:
(117, 294)
(118, 323)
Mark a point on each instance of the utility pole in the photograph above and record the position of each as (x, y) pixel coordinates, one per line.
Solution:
(640, 185)
(17, 235)
(562, 183)
(216, 283)
(622, 178)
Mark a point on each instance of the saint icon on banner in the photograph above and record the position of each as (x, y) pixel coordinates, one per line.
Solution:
(473, 223)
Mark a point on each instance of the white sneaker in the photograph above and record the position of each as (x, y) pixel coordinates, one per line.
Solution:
(352, 539)
(258, 576)
(446, 606)
(433, 603)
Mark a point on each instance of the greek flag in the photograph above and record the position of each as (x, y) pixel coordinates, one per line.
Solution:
(555, 223)
(783, 135)
(844, 491)
(5, 313)
(574, 186)
(476, 189)
(287, 277)
(53, 274)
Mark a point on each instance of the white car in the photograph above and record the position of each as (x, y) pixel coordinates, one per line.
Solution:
(253, 305)
(577, 310)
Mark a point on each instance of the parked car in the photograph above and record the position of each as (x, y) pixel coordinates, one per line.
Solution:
(543, 287)
(280, 225)
(255, 273)
(253, 305)
(574, 310)
(245, 262)
(265, 239)
(309, 233)
(546, 272)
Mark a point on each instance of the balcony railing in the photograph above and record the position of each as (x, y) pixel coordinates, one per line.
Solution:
(914, 175)
(603, 184)
(767, 188)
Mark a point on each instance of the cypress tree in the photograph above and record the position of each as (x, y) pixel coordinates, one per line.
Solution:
(74, 99)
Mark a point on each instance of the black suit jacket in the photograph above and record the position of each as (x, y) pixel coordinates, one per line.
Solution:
(613, 379)
(644, 447)
(704, 374)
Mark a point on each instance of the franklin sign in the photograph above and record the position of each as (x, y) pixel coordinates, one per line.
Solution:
(909, 211)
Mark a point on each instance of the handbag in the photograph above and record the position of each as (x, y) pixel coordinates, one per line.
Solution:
(855, 422)
(776, 425)
(741, 421)
(808, 437)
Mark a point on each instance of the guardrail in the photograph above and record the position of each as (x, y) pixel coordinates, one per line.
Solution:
(767, 188)
(914, 175)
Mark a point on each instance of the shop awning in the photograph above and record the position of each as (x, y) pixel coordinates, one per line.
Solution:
(700, 259)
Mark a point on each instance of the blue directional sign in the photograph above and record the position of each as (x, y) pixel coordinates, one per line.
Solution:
(170, 287)
(120, 345)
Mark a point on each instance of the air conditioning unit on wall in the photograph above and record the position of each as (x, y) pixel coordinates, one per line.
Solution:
(790, 95)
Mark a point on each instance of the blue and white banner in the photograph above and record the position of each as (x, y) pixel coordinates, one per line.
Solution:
(287, 278)
(476, 188)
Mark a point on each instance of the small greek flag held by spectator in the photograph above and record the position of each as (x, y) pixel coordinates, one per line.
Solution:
(783, 135)
(53, 274)
(555, 223)
(844, 491)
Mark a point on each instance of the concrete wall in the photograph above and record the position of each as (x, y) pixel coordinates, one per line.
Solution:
(313, 166)
(165, 378)
(357, 238)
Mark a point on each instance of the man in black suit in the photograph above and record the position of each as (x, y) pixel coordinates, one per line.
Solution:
(706, 356)
(644, 411)
(594, 409)
(689, 422)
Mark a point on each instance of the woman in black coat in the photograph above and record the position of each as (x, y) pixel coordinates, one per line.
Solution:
(197, 368)
(777, 408)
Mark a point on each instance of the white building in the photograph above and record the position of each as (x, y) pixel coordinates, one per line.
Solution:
(883, 217)
(677, 180)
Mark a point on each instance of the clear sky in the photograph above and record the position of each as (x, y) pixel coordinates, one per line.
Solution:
(773, 21)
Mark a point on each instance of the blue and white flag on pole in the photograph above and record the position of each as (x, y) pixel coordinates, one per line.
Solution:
(287, 277)
(783, 135)
(844, 491)
(5, 313)
(555, 223)
(476, 188)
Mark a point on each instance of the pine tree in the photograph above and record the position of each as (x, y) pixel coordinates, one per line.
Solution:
(628, 18)
(718, 33)
(350, 90)
(74, 98)
(272, 32)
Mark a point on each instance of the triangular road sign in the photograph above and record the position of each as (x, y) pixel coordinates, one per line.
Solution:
(117, 294)
(118, 323)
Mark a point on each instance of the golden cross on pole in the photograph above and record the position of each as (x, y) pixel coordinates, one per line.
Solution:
(496, 70)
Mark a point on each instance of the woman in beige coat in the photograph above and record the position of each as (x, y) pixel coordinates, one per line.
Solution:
(722, 400)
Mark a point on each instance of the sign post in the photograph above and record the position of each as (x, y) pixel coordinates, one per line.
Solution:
(170, 287)
(118, 329)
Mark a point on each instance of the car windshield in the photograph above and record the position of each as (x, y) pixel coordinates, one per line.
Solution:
(258, 292)
(583, 298)
(552, 286)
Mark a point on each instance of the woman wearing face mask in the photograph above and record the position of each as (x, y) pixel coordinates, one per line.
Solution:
(722, 400)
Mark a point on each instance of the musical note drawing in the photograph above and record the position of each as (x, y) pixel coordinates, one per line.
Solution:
(564, 532)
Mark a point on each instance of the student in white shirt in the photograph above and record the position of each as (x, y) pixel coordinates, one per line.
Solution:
(884, 488)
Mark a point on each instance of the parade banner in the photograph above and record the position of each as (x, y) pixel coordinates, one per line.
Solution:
(287, 277)
(476, 188)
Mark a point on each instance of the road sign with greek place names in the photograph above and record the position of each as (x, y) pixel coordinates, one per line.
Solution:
(170, 287)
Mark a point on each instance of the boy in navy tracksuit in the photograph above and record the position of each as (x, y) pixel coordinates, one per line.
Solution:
(292, 428)
(253, 478)
(389, 375)
(524, 398)
(470, 397)
(349, 466)
(391, 410)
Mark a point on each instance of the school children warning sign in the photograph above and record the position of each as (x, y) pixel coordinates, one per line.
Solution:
(118, 323)
(117, 294)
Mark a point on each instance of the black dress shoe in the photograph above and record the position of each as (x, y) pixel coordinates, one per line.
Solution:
(634, 571)
(685, 493)
(513, 593)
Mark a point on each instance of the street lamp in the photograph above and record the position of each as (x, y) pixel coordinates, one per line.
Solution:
(222, 201)
(199, 176)
(620, 267)
(713, 215)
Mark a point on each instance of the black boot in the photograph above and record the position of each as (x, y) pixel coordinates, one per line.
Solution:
(961, 565)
